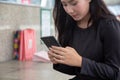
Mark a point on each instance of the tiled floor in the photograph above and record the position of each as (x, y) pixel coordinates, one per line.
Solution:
(16, 70)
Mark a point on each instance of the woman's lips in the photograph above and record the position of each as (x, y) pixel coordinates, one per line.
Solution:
(74, 16)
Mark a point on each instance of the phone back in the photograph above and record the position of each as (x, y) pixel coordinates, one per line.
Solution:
(50, 41)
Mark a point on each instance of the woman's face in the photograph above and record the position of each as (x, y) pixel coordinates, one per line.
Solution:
(77, 9)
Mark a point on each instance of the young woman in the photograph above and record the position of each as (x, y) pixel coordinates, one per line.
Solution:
(90, 39)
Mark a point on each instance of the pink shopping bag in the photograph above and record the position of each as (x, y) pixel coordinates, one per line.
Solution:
(27, 44)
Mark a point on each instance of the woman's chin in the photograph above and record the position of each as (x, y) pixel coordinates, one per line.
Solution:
(77, 19)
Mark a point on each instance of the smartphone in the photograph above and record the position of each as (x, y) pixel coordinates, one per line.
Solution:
(50, 41)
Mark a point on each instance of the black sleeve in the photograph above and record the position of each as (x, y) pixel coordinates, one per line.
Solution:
(64, 69)
(110, 68)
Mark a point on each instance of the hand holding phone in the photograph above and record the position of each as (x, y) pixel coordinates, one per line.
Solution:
(50, 41)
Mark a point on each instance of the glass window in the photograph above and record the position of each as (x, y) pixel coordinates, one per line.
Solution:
(47, 3)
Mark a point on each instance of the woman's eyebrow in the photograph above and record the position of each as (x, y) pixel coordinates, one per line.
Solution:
(69, 1)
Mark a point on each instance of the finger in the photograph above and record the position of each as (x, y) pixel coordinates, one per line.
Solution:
(70, 48)
(58, 60)
(58, 52)
(51, 52)
(51, 57)
(59, 48)
(53, 61)
(58, 56)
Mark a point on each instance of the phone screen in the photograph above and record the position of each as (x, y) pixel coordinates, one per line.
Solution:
(50, 41)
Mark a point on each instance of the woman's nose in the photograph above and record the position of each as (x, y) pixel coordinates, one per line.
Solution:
(69, 10)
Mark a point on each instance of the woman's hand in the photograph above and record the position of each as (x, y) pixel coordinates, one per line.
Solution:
(66, 55)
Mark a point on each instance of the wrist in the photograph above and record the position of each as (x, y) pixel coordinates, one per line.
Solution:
(80, 61)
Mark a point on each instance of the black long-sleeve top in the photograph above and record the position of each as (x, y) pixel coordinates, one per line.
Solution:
(100, 51)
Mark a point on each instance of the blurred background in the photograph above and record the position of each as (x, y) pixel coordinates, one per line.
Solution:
(34, 19)
(36, 14)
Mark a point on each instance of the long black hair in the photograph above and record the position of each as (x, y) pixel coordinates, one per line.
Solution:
(64, 24)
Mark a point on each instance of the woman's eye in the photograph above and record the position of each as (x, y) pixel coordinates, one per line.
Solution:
(64, 4)
(75, 3)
